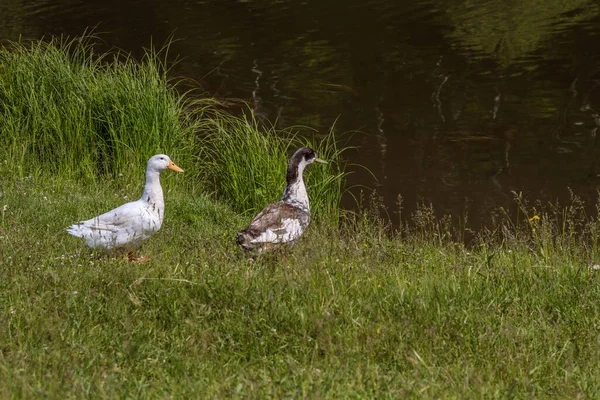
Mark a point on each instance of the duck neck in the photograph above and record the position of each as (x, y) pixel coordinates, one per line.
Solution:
(295, 191)
(153, 193)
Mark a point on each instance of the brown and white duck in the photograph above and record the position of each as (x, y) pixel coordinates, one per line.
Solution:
(285, 221)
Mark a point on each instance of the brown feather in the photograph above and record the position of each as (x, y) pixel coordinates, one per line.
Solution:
(271, 218)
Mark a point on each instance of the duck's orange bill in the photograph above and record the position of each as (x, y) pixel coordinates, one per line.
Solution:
(174, 167)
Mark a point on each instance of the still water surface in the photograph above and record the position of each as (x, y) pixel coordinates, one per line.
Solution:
(460, 102)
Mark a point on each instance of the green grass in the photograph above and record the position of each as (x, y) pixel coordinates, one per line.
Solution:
(354, 310)
(77, 113)
(67, 110)
(246, 163)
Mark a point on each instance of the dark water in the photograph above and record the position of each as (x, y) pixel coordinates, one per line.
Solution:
(461, 102)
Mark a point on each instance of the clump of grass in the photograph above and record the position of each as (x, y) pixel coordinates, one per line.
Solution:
(548, 228)
(243, 162)
(67, 110)
(246, 163)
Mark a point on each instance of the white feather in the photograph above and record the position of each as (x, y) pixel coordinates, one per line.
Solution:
(127, 226)
(290, 230)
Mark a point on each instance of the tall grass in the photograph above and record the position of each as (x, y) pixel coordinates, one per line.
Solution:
(246, 163)
(243, 162)
(68, 110)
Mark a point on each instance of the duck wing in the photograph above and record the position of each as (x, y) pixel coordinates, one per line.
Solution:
(277, 223)
(125, 225)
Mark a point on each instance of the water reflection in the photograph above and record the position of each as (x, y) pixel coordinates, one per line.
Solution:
(459, 100)
(515, 29)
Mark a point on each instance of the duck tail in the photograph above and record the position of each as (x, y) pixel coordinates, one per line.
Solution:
(78, 230)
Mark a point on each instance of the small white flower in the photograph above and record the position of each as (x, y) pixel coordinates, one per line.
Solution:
(596, 267)
(5, 208)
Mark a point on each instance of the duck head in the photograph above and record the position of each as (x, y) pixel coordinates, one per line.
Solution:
(160, 162)
(301, 158)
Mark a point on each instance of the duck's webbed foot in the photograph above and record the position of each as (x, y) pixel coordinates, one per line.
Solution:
(136, 260)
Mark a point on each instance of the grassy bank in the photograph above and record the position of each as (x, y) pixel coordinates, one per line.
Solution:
(351, 312)
(355, 310)
(68, 111)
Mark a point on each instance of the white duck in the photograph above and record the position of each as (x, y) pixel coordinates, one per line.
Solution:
(126, 227)
(285, 221)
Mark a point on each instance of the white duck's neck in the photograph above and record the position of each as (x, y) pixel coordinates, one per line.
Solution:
(153, 194)
(295, 191)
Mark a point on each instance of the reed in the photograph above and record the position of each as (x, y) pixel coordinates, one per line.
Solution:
(245, 162)
(67, 110)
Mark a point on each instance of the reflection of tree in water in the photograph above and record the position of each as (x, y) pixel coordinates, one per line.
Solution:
(11, 22)
(510, 29)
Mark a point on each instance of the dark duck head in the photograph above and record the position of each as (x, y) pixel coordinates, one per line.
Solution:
(295, 191)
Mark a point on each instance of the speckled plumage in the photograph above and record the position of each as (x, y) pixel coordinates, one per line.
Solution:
(278, 223)
(285, 221)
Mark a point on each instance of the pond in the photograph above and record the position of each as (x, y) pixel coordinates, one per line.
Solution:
(459, 103)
